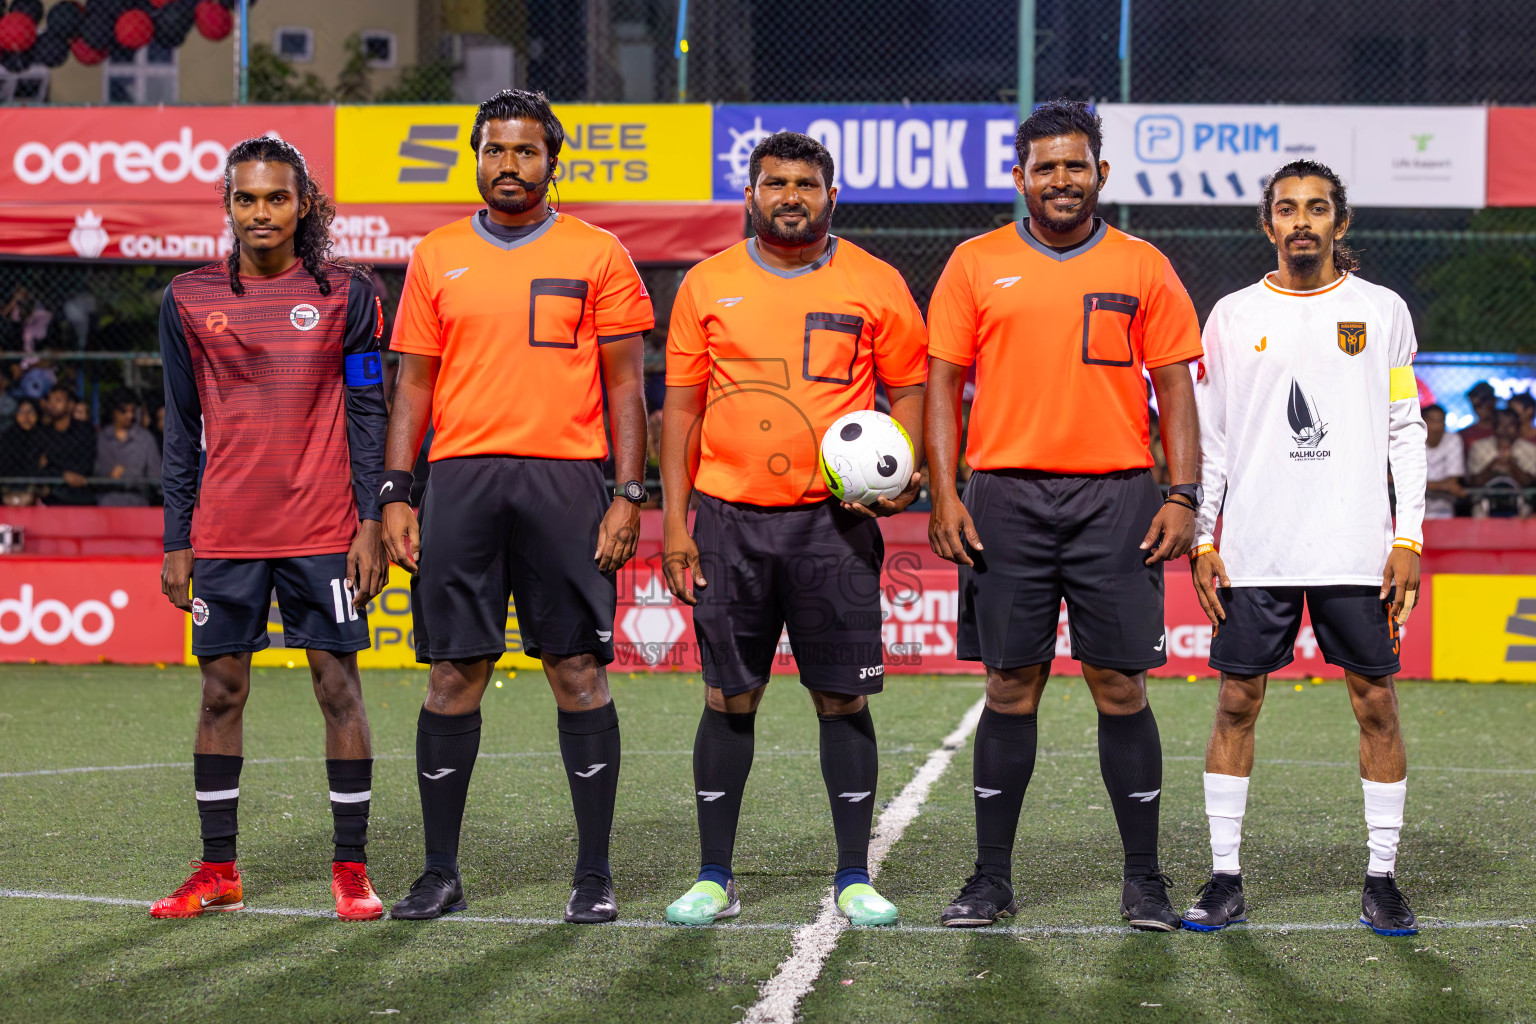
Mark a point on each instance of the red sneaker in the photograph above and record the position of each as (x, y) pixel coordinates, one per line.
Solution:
(208, 889)
(355, 898)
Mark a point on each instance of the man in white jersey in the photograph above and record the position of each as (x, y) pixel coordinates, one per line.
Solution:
(1307, 396)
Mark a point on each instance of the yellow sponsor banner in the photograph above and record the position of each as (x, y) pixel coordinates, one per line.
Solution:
(613, 151)
(390, 627)
(1485, 628)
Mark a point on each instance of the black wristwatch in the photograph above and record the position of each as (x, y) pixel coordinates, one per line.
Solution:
(1194, 492)
(633, 491)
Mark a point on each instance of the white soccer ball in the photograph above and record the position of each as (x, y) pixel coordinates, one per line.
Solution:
(866, 456)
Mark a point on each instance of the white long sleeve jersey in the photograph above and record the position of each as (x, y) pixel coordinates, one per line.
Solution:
(1305, 398)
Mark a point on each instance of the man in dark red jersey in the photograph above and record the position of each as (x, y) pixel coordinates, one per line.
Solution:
(272, 369)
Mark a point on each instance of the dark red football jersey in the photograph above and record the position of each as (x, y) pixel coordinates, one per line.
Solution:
(282, 390)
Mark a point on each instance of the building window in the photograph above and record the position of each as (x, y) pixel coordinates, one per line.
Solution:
(294, 44)
(149, 78)
(29, 86)
(379, 48)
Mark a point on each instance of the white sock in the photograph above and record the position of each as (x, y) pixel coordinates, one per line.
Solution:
(1384, 820)
(1226, 799)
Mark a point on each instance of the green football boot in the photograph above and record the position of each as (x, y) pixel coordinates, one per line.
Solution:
(705, 903)
(861, 905)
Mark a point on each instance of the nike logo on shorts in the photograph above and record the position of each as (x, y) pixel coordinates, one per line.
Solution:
(591, 771)
(440, 773)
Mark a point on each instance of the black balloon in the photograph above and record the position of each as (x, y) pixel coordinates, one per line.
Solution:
(98, 29)
(66, 17)
(172, 25)
(17, 62)
(52, 48)
(120, 54)
(31, 8)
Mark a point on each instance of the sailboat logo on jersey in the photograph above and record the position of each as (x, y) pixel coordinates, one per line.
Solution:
(1307, 426)
(1351, 337)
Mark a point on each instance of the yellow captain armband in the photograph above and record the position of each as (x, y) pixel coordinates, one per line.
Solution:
(1203, 549)
(1404, 542)
(1403, 384)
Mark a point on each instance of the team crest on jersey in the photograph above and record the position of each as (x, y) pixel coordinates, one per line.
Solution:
(199, 612)
(1351, 337)
(1307, 426)
(304, 317)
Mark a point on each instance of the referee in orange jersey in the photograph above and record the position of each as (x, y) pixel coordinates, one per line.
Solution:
(1061, 314)
(514, 324)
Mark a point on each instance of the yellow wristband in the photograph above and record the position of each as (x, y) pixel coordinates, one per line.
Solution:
(1414, 546)
(1203, 549)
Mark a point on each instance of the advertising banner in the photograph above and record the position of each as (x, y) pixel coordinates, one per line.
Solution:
(79, 611)
(1485, 628)
(1220, 155)
(882, 153)
(1512, 156)
(144, 154)
(380, 234)
(421, 154)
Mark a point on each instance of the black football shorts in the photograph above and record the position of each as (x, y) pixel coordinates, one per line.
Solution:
(496, 526)
(1353, 626)
(810, 570)
(232, 601)
(1049, 536)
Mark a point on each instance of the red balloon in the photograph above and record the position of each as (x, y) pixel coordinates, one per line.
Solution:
(213, 20)
(159, 3)
(86, 54)
(17, 32)
(134, 29)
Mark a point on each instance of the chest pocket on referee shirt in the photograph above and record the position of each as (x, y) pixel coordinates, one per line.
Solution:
(1107, 318)
(831, 347)
(556, 306)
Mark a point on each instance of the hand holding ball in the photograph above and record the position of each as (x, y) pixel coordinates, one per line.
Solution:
(866, 456)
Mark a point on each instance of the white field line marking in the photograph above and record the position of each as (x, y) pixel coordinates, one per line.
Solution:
(1003, 931)
(394, 757)
(780, 996)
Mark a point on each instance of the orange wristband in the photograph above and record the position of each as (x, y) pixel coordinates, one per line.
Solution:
(1414, 546)
(1203, 549)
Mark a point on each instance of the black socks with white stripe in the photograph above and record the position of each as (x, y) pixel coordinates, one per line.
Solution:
(1131, 761)
(589, 746)
(351, 790)
(1005, 761)
(216, 780)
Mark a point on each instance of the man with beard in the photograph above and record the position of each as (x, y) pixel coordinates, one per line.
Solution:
(513, 325)
(771, 342)
(1308, 398)
(1060, 314)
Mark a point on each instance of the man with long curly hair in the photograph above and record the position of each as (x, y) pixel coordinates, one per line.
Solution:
(273, 382)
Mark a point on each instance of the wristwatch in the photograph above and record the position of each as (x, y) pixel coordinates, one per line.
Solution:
(1194, 492)
(633, 491)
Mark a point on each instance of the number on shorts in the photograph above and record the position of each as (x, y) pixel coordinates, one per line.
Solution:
(341, 599)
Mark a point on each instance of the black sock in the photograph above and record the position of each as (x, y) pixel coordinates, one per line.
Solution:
(850, 766)
(216, 780)
(589, 745)
(351, 782)
(1005, 761)
(722, 760)
(1131, 760)
(446, 748)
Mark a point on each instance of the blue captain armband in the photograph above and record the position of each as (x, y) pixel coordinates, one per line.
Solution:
(364, 368)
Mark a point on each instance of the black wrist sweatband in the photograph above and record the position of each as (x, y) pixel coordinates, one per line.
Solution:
(395, 485)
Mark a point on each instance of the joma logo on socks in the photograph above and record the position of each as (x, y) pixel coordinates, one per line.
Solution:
(1145, 797)
(440, 773)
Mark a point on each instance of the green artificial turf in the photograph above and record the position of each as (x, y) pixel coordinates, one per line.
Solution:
(1466, 856)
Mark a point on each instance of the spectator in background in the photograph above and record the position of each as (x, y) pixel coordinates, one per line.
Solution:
(1502, 464)
(126, 451)
(1525, 408)
(69, 450)
(1447, 465)
(33, 381)
(23, 322)
(20, 451)
(1484, 404)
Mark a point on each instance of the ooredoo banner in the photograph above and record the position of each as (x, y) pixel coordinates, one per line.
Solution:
(144, 154)
(1220, 155)
(75, 611)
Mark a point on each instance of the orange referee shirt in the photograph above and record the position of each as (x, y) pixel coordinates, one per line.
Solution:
(786, 353)
(1059, 341)
(517, 325)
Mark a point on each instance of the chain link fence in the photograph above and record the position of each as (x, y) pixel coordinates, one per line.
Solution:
(1468, 277)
